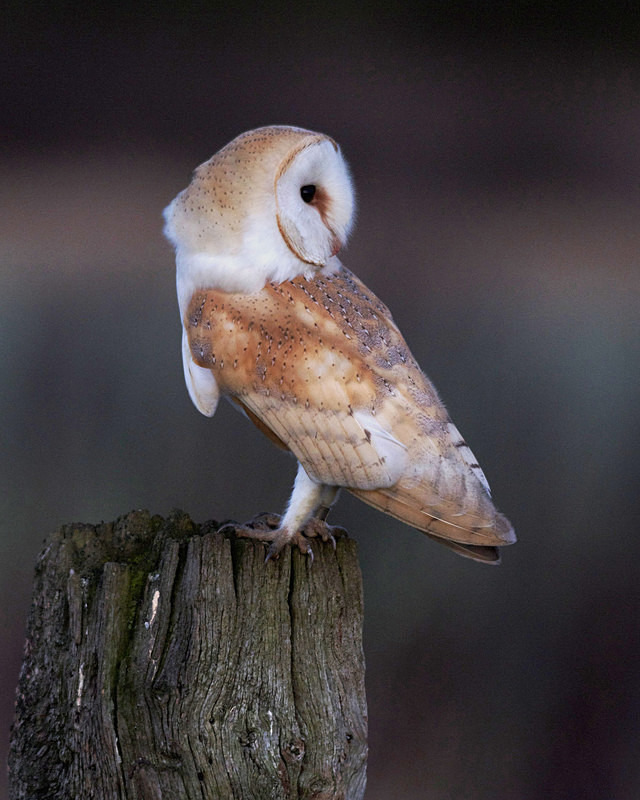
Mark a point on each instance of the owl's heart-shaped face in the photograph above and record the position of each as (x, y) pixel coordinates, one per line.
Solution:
(314, 202)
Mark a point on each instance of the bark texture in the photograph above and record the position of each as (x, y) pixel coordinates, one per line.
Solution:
(166, 660)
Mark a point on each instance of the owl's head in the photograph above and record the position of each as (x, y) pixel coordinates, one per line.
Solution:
(274, 203)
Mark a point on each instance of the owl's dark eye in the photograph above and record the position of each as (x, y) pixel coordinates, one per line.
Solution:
(307, 193)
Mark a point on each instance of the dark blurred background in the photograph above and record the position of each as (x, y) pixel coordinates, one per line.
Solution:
(496, 156)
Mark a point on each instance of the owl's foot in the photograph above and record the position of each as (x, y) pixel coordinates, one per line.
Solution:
(263, 530)
(283, 537)
(266, 528)
(314, 529)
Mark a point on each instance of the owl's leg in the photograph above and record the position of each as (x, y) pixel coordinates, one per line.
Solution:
(306, 497)
(329, 494)
(328, 498)
(303, 519)
(318, 525)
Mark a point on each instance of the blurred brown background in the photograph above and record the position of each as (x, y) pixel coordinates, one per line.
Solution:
(497, 162)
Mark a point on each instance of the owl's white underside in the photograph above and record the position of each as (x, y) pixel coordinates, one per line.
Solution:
(246, 272)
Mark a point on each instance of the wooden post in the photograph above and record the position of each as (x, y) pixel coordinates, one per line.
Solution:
(166, 660)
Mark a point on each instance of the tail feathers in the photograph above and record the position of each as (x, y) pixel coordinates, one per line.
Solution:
(443, 521)
(487, 555)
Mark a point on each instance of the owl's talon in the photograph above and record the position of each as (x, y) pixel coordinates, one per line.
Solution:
(303, 544)
(281, 538)
(318, 528)
(273, 553)
(228, 527)
(278, 544)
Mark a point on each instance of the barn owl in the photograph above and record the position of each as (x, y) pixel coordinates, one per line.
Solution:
(273, 321)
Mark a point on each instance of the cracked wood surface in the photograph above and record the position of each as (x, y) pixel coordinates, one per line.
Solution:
(166, 660)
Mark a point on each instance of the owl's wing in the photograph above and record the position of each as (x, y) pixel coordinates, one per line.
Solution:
(342, 449)
(430, 488)
(337, 445)
(320, 366)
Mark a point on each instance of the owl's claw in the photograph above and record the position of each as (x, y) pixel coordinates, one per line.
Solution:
(318, 528)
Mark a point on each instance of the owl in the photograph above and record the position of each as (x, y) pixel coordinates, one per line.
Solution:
(274, 322)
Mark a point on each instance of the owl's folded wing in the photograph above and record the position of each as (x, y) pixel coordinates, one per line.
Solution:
(321, 368)
(435, 492)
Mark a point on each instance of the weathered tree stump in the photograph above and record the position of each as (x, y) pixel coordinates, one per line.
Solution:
(166, 660)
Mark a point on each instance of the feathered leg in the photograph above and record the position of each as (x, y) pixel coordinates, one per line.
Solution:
(303, 519)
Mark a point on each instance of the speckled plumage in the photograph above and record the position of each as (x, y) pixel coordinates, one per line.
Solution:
(303, 358)
(315, 360)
